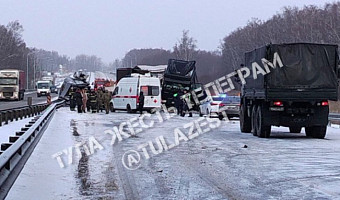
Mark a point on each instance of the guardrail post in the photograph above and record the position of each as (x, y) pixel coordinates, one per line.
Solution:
(6, 117)
(30, 111)
(27, 113)
(11, 117)
(35, 110)
(16, 114)
(21, 113)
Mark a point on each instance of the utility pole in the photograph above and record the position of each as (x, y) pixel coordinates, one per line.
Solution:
(27, 70)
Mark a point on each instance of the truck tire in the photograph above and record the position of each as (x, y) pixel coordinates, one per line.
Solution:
(245, 122)
(295, 129)
(128, 108)
(262, 130)
(316, 131)
(253, 120)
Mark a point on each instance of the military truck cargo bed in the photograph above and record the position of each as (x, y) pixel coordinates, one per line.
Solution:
(292, 71)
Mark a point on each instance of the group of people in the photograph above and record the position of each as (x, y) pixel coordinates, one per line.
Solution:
(90, 100)
(181, 104)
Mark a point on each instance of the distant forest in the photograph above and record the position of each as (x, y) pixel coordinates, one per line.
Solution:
(310, 24)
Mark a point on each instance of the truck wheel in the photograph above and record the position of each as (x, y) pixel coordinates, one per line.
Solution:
(253, 120)
(309, 131)
(112, 109)
(262, 130)
(295, 129)
(128, 108)
(245, 122)
(316, 131)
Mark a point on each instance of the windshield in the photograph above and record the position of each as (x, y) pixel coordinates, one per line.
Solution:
(217, 98)
(176, 86)
(8, 81)
(43, 85)
(232, 99)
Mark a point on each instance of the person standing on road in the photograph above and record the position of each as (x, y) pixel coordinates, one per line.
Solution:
(72, 99)
(178, 102)
(141, 102)
(84, 95)
(185, 103)
(79, 100)
(100, 99)
(93, 101)
(107, 99)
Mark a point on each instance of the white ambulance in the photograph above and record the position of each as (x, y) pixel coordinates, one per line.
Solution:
(126, 93)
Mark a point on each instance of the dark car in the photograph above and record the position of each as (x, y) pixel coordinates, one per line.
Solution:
(231, 106)
(54, 89)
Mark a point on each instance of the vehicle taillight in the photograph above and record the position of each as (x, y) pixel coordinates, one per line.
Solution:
(221, 105)
(213, 104)
(278, 103)
(324, 103)
(137, 99)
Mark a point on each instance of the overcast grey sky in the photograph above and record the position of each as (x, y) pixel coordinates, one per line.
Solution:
(110, 28)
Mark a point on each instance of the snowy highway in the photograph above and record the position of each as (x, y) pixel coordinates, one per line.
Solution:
(14, 104)
(222, 163)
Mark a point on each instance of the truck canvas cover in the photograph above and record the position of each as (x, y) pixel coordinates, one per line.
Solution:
(180, 71)
(308, 71)
(71, 82)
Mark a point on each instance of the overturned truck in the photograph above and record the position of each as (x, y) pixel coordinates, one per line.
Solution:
(288, 85)
(179, 75)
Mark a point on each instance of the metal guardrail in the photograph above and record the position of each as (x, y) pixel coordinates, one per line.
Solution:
(20, 113)
(334, 117)
(20, 107)
(15, 153)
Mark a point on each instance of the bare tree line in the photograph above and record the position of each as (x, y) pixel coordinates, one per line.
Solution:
(310, 24)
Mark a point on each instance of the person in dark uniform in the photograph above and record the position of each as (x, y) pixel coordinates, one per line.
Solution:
(107, 98)
(185, 104)
(100, 99)
(141, 102)
(72, 99)
(79, 100)
(179, 102)
(93, 101)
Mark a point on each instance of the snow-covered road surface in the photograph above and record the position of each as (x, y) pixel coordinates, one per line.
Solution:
(214, 165)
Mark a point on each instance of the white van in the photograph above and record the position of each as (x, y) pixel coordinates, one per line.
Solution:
(126, 93)
(43, 88)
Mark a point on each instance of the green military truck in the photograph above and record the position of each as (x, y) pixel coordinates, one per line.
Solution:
(288, 85)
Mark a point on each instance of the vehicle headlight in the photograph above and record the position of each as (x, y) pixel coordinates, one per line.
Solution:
(15, 94)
